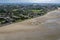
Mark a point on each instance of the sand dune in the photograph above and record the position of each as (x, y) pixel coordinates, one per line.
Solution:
(46, 27)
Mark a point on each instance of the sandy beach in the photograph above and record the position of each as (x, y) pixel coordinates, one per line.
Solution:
(45, 27)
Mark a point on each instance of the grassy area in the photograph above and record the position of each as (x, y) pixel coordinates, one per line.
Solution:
(36, 11)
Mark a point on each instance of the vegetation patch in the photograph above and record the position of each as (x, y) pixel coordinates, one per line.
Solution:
(15, 13)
